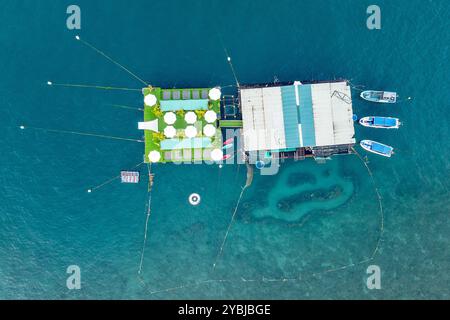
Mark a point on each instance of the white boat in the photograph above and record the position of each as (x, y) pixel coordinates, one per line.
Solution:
(377, 148)
(380, 122)
(379, 96)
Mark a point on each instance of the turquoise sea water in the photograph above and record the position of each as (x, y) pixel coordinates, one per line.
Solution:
(284, 228)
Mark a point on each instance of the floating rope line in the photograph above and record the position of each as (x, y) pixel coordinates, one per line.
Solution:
(300, 277)
(125, 107)
(232, 69)
(71, 85)
(148, 209)
(247, 184)
(377, 248)
(110, 180)
(219, 254)
(228, 59)
(81, 133)
(110, 59)
(356, 87)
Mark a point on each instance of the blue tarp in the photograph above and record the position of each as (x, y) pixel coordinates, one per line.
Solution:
(381, 121)
(381, 148)
(179, 144)
(192, 104)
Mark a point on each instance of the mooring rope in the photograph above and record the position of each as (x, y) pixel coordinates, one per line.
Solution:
(232, 68)
(356, 87)
(111, 59)
(219, 254)
(121, 106)
(80, 133)
(228, 58)
(247, 184)
(71, 85)
(379, 202)
(148, 209)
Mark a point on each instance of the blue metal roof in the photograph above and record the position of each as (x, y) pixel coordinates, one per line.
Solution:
(192, 104)
(306, 118)
(290, 117)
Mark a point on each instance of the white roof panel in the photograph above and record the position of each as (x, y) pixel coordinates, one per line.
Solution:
(262, 115)
(323, 115)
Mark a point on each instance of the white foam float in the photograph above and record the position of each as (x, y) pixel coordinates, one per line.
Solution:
(194, 199)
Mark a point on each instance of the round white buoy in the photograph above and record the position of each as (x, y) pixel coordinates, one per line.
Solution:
(89, 191)
(49, 83)
(194, 199)
(77, 37)
(22, 127)
(229, 59)
(220, 166)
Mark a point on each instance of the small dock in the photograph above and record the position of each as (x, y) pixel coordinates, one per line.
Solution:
(235, 124)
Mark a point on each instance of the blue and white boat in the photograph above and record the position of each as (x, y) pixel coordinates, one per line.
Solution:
(379, 96)
(378, 148)
(380, 122)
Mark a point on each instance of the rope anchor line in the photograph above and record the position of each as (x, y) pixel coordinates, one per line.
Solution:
(72, 85)
(110, 59)
(23, 127)
(148, 210)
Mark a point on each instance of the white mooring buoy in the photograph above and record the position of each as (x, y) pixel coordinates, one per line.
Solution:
(89, 191)
(22, 127)
(49, 83)
(194, 199)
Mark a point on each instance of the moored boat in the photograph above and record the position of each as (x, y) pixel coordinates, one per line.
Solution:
(378, 148)
(227, 156)
(379, 96)
(228, 146)
(380, 122)
(231, 140)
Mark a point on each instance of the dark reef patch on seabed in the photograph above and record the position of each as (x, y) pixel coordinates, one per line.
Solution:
(314, 187)
(289, 203)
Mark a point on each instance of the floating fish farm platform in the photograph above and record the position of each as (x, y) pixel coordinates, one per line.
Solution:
(285, 120)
